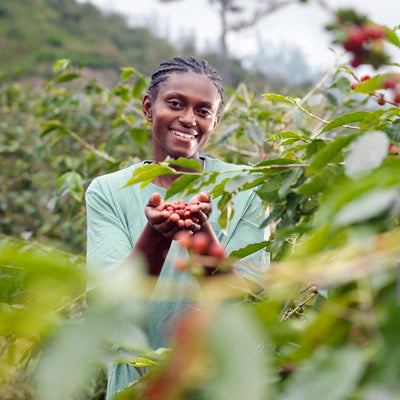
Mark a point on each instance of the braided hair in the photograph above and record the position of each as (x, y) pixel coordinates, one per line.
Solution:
(180, 65)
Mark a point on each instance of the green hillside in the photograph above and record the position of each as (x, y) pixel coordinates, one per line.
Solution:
(34, 33)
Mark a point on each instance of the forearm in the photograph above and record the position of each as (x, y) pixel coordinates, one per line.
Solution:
(154, 247)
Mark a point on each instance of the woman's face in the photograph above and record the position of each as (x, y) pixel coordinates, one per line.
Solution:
(183, 114)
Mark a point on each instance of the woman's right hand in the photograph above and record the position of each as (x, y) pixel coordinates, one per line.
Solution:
(160, 219)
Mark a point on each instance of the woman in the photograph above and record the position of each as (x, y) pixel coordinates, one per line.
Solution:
(183, 104)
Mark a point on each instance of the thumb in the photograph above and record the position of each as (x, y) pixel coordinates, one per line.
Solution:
(155, 200)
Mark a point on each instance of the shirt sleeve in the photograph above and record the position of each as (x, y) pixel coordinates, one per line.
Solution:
(108, 239)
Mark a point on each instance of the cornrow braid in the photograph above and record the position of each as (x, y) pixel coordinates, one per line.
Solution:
(180, 65)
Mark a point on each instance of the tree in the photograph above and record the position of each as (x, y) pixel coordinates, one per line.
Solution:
(237, 15)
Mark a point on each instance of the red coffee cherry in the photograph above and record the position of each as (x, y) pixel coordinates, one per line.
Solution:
(374, 32)
(200, 242)
(381, 101)
(184, 238)
(353, 85)
(217, 251)
(355, 39)
(180, 264)
(390, 82)
(393, 149)
(365, 78)
(181, 208)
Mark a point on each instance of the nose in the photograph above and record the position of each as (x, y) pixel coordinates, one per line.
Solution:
(188, 117)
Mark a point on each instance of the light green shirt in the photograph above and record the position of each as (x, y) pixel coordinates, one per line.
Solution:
(116, 219)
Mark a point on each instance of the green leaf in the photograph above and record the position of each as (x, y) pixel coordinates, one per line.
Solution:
(366, 153)
(139, 135)
(314, 147)
(330, 374)
(126, 73)
(289, 135)
(219, 189)
(233, 184)
(75, 185)
(122, 92)
(291, 179)
(280, 98)
(184, 162)
(147, 173)
(328, 154)
(345, 119)
(277, 161)
(371, 121)
(367, 206)
(343, 85)
(60, 183)
(294, 149)
(370, 85)
(392, 37)
(249, 249)
(67, 77)
(181, 184)
(256, 133)
(225, 207)
(61, 65)
(269, 190)
(143, 362)
(229, 130)
(139, 87)
(393, 131)
(51, 126)
(317, 184)
(288, 142)
(233, 340)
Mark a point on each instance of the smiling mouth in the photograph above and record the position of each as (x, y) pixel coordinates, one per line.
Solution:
(183, 135)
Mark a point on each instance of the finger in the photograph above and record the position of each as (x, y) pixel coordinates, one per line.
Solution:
(192, 226)
(169, 223)
(155, 216)
(178, 227)
(204, 196)
(155, 200)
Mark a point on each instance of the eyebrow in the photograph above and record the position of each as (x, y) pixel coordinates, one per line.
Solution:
(180, 95)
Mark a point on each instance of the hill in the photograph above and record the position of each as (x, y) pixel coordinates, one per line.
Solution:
(35, 33)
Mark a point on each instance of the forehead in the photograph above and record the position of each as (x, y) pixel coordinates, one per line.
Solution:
(190, 84)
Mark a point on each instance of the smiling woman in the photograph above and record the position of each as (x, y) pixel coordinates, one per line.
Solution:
(183, 104)
(184, 113)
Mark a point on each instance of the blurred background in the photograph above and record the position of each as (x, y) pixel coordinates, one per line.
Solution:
(266, 43)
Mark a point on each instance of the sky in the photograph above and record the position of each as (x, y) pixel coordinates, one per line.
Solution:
(297, 25)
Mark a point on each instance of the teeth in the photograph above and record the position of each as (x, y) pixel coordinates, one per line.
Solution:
(184, 135)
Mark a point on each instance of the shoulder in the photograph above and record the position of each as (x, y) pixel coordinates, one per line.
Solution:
(113, 180)
(213, 164)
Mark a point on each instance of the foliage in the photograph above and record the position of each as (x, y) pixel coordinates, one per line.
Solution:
(327, 166)
(35, 33)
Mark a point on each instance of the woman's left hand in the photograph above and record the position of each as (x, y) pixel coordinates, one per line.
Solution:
(201, 207)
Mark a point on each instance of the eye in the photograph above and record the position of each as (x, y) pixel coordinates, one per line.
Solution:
(204, 112)
(174, 104)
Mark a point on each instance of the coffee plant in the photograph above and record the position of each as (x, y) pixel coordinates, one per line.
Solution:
(327, 164)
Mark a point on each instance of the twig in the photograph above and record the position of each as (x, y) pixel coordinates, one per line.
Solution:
(90, 147)
(287, 314)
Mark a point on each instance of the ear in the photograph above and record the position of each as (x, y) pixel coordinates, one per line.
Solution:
(216, 122)
(147, 108)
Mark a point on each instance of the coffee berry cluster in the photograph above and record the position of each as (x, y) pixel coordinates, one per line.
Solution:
(365, 42)
(360, 37)
(204, 254)
(181, 208)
